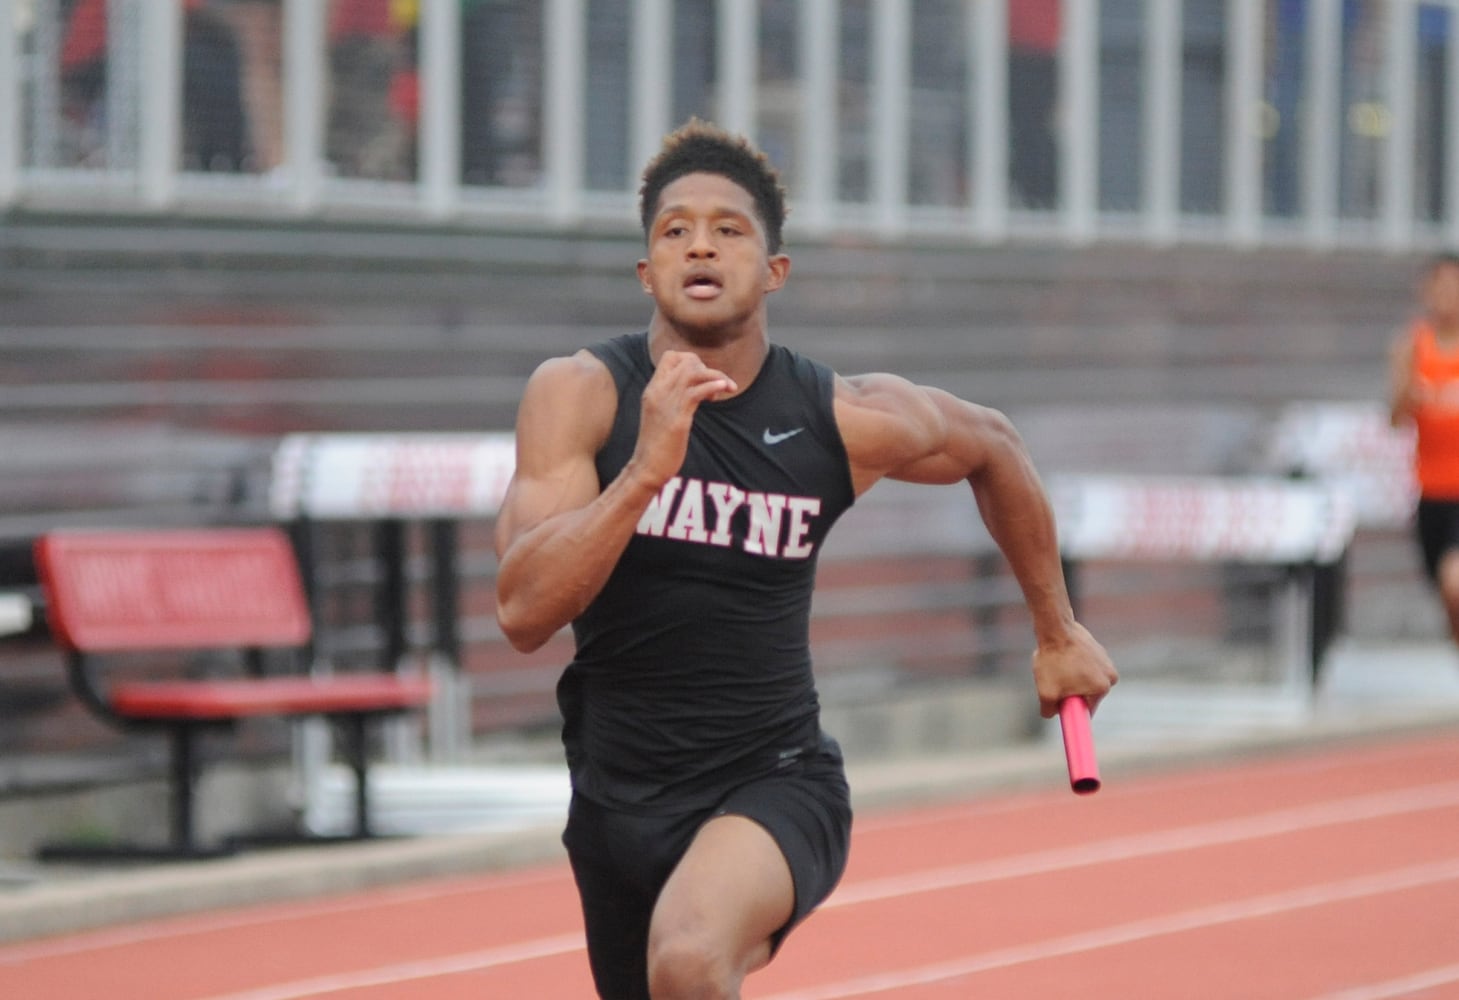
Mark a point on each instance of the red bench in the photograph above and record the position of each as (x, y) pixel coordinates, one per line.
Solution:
(121, 594)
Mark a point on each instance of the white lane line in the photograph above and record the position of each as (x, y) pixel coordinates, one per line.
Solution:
(1286, 821)
(167, 928)
(1281, 821)
(1139, 930)
(388, 975)
(1402, 987)
(188, 926)
(1354, 809)
(1154, 785)
(1346, 810)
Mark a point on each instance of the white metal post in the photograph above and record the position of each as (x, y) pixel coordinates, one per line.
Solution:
(1079, 95)
(439, 31)
(159, 93)
(565, 33)
(1162, 80)
(990, 118)
(1244, 53)
(440, 107)
(650, 101)
(737, 56)
(1396, 181)
(890, 110)
(305, 95)
(1322, 136)
(819, 122)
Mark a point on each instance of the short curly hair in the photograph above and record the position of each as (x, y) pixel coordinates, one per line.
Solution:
(701, 147)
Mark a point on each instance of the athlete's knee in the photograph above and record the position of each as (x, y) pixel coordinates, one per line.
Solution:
(691, 966)
(1447, 567)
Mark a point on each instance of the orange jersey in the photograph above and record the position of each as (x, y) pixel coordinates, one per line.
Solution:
(1437, 419)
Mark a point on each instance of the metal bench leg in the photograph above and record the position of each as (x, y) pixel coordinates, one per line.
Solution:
(355, 751)
(184, 781)
(182, 844)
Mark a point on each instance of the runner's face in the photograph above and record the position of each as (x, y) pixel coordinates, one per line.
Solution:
(708, 268)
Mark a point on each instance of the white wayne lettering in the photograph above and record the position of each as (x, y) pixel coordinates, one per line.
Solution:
(690, 510)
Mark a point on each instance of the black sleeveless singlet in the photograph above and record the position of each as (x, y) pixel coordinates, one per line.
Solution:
(693, 672)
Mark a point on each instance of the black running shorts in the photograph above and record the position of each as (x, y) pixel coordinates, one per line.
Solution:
(1438, 532)
(621, 860)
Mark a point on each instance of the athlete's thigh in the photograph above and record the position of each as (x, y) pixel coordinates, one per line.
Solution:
(620, 861)
(732, 890)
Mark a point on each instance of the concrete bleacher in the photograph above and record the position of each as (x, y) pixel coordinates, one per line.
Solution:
(278, 329)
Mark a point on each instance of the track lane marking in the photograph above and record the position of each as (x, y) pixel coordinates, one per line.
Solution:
(1401, 987)
(400, 972)
(1200, 918)
(281, 911)
(1296, 819)
(1217, 773)
(1355, 809)
(183, 925)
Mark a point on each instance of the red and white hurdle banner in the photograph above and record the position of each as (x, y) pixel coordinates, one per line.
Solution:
(441, 477)
(1228, 519)
(406, 475)
(1201, 518)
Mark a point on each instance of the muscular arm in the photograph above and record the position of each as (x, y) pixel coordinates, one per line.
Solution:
(558, 536)
(1405, 394)
(897, 430)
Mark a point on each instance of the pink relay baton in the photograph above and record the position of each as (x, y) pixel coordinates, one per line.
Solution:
(1079, 746)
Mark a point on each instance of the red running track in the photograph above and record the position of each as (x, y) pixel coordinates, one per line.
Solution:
(1328, 874)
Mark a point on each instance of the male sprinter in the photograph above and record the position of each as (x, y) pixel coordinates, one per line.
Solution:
(672, 490)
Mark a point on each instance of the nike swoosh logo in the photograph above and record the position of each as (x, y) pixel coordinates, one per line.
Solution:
(770, 438)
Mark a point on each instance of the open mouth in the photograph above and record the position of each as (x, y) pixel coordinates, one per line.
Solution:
(702, 285)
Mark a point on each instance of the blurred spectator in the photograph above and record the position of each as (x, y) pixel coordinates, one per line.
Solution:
(214, 132)
(258, 27)
(215, 128)
(486, 61)
(370, 48)
(501, 96)
(1034, 30)
(83, 81)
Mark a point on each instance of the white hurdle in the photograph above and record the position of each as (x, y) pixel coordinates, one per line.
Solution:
(436, 478)
(399, 477)
(1252, 520)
